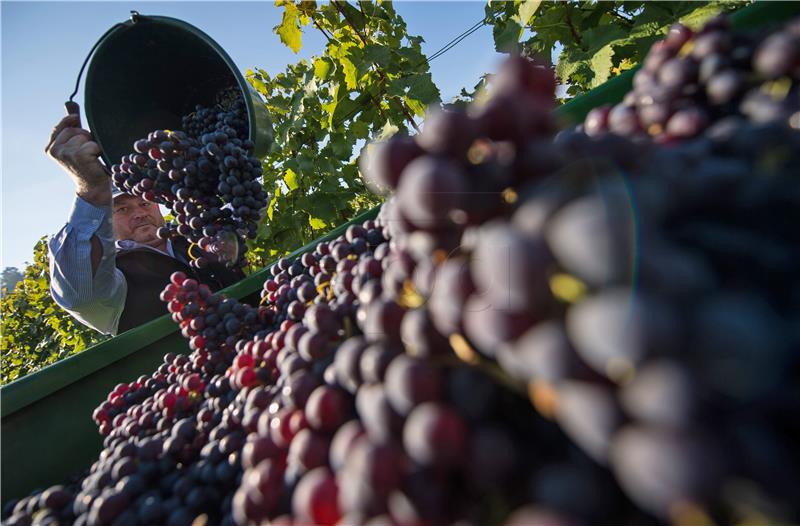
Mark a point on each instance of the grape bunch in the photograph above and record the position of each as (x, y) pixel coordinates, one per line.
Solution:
(229, 112)
(213, 325)
(690, 80)
(206, 176)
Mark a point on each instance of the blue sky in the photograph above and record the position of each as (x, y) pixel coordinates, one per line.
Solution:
(45, 43)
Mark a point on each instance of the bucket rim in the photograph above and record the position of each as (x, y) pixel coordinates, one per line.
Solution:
(246, 90)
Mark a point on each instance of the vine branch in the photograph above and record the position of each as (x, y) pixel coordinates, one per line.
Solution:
(349, 22)
(572, 28)
(382, 77)
(324, 33)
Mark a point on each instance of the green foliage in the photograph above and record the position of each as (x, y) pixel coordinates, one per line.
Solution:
(593, 40)
(371, 77)
(35, 331)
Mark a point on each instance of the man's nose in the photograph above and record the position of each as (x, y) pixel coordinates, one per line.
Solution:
(139, 214)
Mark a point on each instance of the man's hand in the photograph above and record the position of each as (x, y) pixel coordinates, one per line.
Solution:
(73, 148)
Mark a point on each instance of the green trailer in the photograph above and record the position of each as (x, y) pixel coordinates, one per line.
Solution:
(47, 429)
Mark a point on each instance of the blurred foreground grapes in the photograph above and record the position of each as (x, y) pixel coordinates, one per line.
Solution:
(541, 327)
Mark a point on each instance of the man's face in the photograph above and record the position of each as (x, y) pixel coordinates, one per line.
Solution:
(137, 220)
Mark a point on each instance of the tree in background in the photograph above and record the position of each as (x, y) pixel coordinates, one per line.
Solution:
(35, 330)
(9, 279)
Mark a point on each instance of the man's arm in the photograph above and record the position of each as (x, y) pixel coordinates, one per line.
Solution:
(84, 277)
(94, 294)
(72, 147)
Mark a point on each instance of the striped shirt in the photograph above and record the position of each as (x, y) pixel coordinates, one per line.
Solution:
(96, 301)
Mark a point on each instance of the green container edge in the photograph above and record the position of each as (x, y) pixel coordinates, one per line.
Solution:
(18, 395)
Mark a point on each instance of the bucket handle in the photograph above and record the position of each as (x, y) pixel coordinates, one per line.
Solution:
(71, 106)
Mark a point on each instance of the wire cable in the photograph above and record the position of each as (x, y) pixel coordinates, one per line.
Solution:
(447, 47)
(441, 51)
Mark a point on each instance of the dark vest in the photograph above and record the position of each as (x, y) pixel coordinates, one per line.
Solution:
(147, 273)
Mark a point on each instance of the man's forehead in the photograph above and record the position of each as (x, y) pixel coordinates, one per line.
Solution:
(126, 199)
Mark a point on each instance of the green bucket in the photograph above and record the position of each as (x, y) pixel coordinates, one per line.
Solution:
(147, 72)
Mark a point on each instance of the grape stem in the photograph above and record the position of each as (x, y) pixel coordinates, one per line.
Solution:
(324, 33)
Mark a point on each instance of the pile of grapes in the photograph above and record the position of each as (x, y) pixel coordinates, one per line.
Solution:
(541, 327)
(206, 175)
(688, 81)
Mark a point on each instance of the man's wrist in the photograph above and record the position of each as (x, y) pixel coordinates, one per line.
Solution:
(97, 195)
(88, 219)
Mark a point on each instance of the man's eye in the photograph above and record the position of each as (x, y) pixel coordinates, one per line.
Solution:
(122, 209)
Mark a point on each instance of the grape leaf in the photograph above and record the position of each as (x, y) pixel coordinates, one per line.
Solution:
(316, 223)
(350, 73)
(322, 68)
(275, 196)
(566, 66)
(601, 65)
(410, 59)
(289, 30)
(506, 36)
(342, 55)
(377, 54)
(258, 85)
(347, 109)
(595, 38)
(323, 206)
(340, 146)
(305, 163)
(330, 107)
(696, 18)
(526, 11)
(360, 129)
(417, 86)
(416, 106)
(291, 180)
(308, 7)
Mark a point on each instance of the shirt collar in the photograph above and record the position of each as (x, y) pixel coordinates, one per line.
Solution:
(125, 245)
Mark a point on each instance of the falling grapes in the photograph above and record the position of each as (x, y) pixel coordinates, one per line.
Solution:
(206, 175)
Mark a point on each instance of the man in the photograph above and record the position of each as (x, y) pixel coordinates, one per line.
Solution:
(107, 265)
